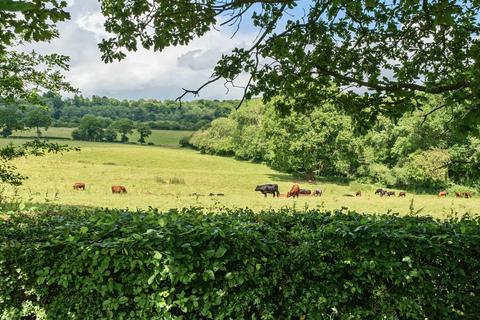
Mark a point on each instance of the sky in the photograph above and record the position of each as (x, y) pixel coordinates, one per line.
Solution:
(143, 74)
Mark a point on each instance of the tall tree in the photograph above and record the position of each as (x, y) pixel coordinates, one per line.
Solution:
(124, 127)
(10, 119)
(144, 131)
(24, 75)
(389, 50)
(38, 118)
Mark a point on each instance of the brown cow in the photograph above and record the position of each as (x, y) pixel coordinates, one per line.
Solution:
(79, 186)
(358, 194)
(402, 194)
(442, 194)
(119, 189)
(458, 194)
(467, 194)
(294, 191)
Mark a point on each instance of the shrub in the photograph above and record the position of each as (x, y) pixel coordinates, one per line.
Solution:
(176, 180)
(160, 180)
(185, 142)
(114, 264)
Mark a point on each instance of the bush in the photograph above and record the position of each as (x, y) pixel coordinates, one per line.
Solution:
(185, 142)
(113, 264)
(176, 180)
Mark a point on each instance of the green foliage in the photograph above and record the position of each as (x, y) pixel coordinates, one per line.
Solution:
(427, 167)
(77, 263)
(38, 118)
(25, 75)
(218, 139)
(10, 120)
(144, 131)
(91, 128)
(416, 152)
(124, 127)
(391, 50)
(164, 115)
(109, 135)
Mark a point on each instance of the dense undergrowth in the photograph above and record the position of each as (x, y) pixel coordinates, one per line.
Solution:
(74, 263)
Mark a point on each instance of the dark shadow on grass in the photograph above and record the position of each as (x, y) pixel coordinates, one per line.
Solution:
(285, 177)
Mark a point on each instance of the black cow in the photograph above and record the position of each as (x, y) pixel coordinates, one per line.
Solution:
(317, 193)
(381, 192)
(268, 188)
(390, 193)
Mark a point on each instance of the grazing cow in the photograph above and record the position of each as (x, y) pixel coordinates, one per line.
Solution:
(268, 188)
(119, 189)
(381, 192)
(467, 194)
(79, 186)
(442, 194)
(358, 194)
(402, 194)
(458, 194)
(294, 191)
(390, 193)
(317, 193)
(306, 192)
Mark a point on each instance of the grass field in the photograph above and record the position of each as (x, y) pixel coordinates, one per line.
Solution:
(149, 174)
(164, 138)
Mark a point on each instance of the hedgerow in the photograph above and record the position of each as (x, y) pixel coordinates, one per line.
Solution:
(188, 264)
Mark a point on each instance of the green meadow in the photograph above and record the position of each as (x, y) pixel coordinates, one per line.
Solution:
(164, 138)
(167, 177)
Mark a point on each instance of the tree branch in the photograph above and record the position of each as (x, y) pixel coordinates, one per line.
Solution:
(394, 86)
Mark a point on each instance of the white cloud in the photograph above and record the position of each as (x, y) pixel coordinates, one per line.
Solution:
(143, 74)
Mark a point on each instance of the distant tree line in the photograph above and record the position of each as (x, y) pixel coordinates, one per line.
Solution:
(103, 119)
(417, 151)
(13, 118)
(167, 114)
(93, 128)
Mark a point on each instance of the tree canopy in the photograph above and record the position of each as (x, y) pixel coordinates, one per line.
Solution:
(24, 75)
(369, 57)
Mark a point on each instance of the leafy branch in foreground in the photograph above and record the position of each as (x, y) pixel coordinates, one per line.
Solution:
(8, 171)
(378, 54)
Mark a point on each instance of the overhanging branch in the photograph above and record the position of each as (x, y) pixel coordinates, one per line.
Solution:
(394, 86)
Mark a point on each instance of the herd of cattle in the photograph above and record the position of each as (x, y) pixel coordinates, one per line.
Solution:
(296, 191)
(115, 189)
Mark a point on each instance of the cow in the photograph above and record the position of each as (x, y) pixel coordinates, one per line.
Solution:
(442, 194)
(119, 189)
(381, 192)
(268, 188)
(390, 193)
(467, 194)
(317, 193)
(402, 194)
(294, 191)
(358, 194)
(79, 186)
(306, 192)
(458, 194)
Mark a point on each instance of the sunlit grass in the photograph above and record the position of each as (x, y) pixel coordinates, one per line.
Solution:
(166, 177)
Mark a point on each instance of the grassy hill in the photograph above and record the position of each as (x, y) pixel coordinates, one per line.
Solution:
(167, 177)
